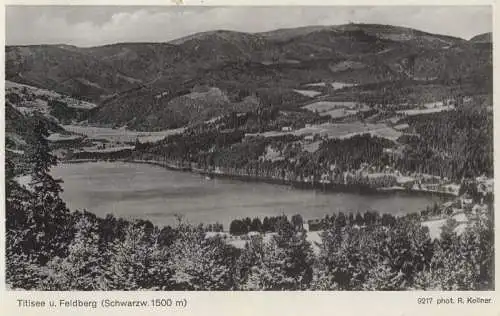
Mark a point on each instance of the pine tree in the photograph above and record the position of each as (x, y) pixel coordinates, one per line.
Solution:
(286, 262)
(383, 278)
(48, 217)
(471, 269)
(298, 222)
(82, 269)
(22, 271)
(344, 259)
(256, 225)
(16, 207)
(199, 263)
(250, 256)
(129, 261)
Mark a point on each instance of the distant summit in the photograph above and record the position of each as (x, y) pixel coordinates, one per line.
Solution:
(483, 38)
(152, 85)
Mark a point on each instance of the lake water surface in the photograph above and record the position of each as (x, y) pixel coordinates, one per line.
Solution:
(150, 192)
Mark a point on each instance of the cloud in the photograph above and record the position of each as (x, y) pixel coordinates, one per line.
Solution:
(97, 25)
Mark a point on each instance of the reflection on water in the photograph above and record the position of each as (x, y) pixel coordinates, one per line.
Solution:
(151, 192)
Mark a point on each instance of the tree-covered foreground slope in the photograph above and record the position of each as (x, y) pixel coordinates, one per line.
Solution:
(49, 247)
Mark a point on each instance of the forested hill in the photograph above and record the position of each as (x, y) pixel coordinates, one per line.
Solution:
(483, 38)
(154, 85)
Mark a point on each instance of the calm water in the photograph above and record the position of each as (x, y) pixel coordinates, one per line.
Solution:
(154, 193)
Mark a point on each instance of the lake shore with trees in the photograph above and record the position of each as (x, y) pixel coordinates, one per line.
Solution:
(307, 184)
(50, 247)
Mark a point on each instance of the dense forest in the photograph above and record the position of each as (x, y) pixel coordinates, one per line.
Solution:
(49, 247)
(453, 144)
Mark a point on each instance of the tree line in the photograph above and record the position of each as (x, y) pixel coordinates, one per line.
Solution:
(453, 144)
(267, 225)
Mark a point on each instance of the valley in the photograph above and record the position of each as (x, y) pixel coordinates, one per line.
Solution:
(286, 129)
(356, 156)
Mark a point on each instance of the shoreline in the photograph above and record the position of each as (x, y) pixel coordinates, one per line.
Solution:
(301, 185)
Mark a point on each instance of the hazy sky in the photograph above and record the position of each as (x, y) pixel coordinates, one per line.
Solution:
(97, 25)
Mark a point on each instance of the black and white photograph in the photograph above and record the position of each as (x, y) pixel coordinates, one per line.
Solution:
(247, 148)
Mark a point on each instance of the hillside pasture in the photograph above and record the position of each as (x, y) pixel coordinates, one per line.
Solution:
(324, 106)
(413, 112)
(308, 93)
(336, 85)
(341, 85)
(337, 113)
(105, 150)
(346, 130)
(340, 130)
(120, 135)
(316, 84)
(37, 97)
(383, 132)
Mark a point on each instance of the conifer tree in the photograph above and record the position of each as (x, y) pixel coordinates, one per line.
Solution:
(286, 261)
(21, 271)
(47, 216)
(250, 256)
(129, 261)
(82, 269)
(472, 269)
(198, 263)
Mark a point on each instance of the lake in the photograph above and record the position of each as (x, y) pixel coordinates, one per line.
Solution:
(150, 192)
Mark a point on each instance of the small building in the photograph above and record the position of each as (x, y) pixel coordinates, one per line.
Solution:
(466, 200)
(286, 129)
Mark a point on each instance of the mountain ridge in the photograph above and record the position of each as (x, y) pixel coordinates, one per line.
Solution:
(482, 38)
(307, 28)
(125, 76)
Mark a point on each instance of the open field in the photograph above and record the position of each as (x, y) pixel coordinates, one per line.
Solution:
(120, 135)
(41, 96)
(337, 113)
(317, 84)
(341, 85)
(335, 85)
(340, 130)
(55, 137)
(106, 150)
(325, 106)
(346, 130)
(426, 110)
(384, 132)
(311, 147)
(308, 93)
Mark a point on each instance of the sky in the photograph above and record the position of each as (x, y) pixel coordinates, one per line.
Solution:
(98, 25)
